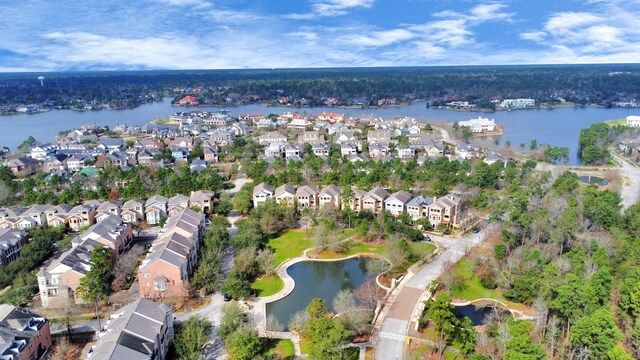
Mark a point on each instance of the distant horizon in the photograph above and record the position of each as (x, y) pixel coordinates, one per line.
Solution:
(113, 35)
(416, 67)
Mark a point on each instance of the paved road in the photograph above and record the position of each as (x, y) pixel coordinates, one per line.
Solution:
(630, 190)
(395, 325)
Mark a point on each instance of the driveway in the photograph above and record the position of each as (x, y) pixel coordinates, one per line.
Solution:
(395, 325)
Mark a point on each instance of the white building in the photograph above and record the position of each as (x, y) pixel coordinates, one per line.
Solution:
(517, 103)
(479, 125)
(633, 121)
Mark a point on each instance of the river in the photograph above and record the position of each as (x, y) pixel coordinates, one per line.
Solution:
(558, 127)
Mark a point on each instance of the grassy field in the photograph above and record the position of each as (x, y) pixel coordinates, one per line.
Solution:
(422, 248)
(304, 346)
(268, 286)
(282, 348)
(614, 122)
(472, 289)
(426, 349)
(291, 244)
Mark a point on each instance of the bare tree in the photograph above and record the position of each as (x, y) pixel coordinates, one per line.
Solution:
(344, 301)
(125, 266)
(298, 322)
(320, 238)
(542, 310)
(369, 294)
(553, 332)
(64, 350)
(266, 262)
(273, 325)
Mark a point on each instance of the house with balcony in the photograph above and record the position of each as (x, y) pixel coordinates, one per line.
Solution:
(307, 196)
(445, 210)
(330, 196)
(140, 330)
(261, 193)
(82, 215)
(176, 204)
(397, 202)
(37, 214)
(58, 215)
(108, 208)
(43, 151)
(348, 149)
(406, 152)
(418, 207)
(25, 335)
(374, 200)
(11, 242)
(202, 199)
(285, 194)
(321, 149)
(55, 162)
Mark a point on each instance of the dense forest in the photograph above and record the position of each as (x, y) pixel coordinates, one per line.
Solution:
(603, 84)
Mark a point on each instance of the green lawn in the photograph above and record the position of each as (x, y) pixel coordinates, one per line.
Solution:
(290, 244)
(347, 354)
(304, 346)
(471, 288)
(282, 348)
(422, 248)
(268, 286)
(615, 122)
(424, 349)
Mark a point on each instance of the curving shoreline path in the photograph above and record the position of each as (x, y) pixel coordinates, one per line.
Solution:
(259, 309)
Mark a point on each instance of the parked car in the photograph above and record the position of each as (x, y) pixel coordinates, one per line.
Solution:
(427, 237)
(226, 297)
(475, 230)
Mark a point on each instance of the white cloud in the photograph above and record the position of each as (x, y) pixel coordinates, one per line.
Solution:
(233, 16)
(181, 2)
(327, 8)
(536, 36)
(565, 21)
(479, 13)
(381, 38)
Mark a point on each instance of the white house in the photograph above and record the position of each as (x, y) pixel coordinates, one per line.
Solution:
(480, 124)
(396, 203)
(633, 121)
(261, 193)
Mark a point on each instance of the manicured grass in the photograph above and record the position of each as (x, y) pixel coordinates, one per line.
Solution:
(304, 346)
(422, 248)
(267, 286)
(282, 348)
(614, 122)
(471, 288)
(291, 244)
(426, 349)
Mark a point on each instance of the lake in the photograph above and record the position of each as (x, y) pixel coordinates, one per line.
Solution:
(318, 279)
(558, 127)
(477, 314)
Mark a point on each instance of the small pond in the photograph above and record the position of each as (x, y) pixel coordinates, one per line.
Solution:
(590, 180)
(477, 314)
(316, 279)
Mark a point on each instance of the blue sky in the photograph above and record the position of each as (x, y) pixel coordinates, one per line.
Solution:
(45, 35)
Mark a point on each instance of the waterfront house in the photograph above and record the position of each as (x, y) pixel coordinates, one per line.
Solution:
(479, 125)
(111, 144)
(140, 330)
(397, 202)
(42, 151)
(22, 166)
(633, 121)
(261, 193)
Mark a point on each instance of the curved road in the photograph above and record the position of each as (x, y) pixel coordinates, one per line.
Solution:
(396, 322)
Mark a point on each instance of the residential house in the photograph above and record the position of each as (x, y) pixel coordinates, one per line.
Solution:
(211, 154)
(275, 150)
(271, 138)
(356, 199)
(292, 151)
(198, 166)
(374, 200)
(176, 204)
(43, 151)
(11, 242)
(155, 209)
(320, 149)
(261, 193)
(445, 210)
(435, 150)
(111, 144)
(133, 211)
(331, 117)
(112, 232)
(307, 196)
(330, 195)
(348, 149)
(202, 199)
(55, 162)
(108, 208)
(76, 163)
(379, 136)
(37, 214)
(406, 152)
(240, 129)
(479, 125)
(140, 330)
(180, 154)
(81, 216)
(182, 142)
(25, 335)
(57, 215)
(285, 194)
(310, 137)
(299, 124)
(173, 256)
(397, 202)
(265, 123)
(418, 207)
(377, 151)
(22, 166)
(148, 144)
(466, 151)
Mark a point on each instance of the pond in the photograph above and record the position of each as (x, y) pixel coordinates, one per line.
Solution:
(477, 314)
(590, 180)
(318, 279)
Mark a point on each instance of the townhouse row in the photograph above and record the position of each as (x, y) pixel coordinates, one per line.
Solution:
(445, 210)
(153, 210)
(23, 334)
(165, 271)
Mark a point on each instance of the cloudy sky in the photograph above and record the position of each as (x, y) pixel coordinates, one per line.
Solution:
(45, 35)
